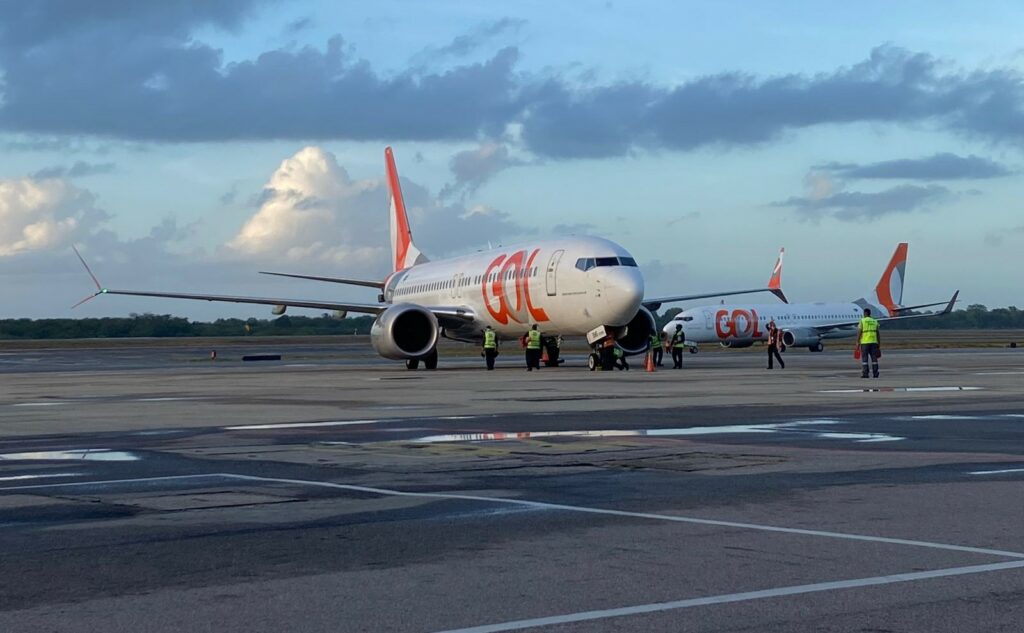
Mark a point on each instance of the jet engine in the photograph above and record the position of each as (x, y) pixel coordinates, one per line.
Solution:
(404, 331)
(801, 337)
(635, 336)
(736, 344)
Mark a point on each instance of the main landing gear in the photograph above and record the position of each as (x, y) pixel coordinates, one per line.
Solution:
(818, 347)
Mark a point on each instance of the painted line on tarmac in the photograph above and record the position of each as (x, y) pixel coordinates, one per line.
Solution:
(539, 505)
(39, 404)
(641, 515)
(997, 472)
(602, 614)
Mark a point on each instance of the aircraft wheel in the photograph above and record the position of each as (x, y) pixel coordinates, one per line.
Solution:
(592, 362)
(412, 363)
(430, 360)
(817, 348)
(694, 349)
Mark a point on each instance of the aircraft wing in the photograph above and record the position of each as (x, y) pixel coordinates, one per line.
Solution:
(846, 324)
(333, 280)
(366, 308)
(655, 303)
(774, 286)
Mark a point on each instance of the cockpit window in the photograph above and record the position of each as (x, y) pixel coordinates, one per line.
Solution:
(586, 263)
(687, 318)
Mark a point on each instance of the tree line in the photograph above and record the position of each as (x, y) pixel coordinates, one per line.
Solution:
(975, 316)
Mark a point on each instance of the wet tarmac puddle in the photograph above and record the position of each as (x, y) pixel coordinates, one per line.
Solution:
(88, 454)
(800, 426)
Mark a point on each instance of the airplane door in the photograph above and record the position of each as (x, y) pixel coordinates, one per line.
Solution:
(457, 286)
(552, 272)
(708, 320)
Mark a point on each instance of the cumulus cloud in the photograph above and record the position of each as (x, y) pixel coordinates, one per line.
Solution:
(942, 166)
(867, 206)
(312, 210)
(136, 71)
(43, 214)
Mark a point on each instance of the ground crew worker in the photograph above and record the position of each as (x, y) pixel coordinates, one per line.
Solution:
(774, 344)
(608, 353)
(620, 358)
(677, 344)
(490, 347)
(656, 348)
(869, 341)
(533, 348)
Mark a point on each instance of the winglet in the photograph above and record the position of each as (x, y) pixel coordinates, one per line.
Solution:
(99, 287)
(949, 306)
(775, 281)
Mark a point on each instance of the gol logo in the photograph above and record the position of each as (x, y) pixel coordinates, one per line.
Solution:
(512, 268)
(739, 324)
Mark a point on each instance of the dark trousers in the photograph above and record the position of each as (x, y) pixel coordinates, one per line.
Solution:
(607, 358)
(677, 358)
(773, 353)
(656, 354)
(868, 350)
(489, 355)
(532, 359)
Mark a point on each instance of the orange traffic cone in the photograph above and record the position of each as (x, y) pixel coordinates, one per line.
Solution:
(544, 355)
(649, 361)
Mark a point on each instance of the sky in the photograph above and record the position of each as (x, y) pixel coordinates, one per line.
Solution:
(186, 145)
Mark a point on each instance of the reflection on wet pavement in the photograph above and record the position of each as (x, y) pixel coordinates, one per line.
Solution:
(87, 454)
(799, 426)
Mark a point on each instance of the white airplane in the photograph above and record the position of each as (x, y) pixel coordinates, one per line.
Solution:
(802, 324)
(568, 286)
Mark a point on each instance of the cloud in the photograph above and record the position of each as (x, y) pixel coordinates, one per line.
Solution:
(472, 168)
(311, 210)
(77, 170)
(135, 71)
(867, 206)
(944, 166)
(996, 238)
(43, 214)
(469, 42)
(576, 228)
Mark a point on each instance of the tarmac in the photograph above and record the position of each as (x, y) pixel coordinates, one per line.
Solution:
(151, 489)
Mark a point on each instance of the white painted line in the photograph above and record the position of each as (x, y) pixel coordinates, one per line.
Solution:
(300, 425)
(602, 614)
(540, 505)
(944, 417)
(998, 373)
(642, 515)
(39, 404)
(39, 476)
(997, 472)
(167, 399)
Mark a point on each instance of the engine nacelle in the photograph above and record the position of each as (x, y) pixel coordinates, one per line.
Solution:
(635, 336)
(801, 337)
(278, 310)
(736, 344)
(404, 331)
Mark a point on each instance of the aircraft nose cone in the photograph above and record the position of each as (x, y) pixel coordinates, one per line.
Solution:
(623, 292)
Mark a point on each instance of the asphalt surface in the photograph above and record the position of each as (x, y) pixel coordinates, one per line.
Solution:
(154, 490)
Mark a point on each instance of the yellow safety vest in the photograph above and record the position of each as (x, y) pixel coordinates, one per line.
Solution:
(490, 339)
(868, 330)
(679, 339)
(533, 342)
